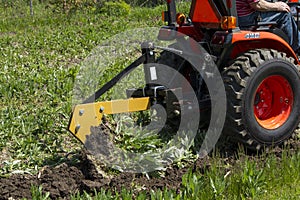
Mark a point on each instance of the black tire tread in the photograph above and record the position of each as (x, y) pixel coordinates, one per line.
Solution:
(235, 79)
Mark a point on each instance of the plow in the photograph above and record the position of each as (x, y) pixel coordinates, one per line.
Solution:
(244, 84)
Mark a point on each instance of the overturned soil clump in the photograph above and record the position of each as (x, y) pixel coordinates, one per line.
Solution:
(70, 178)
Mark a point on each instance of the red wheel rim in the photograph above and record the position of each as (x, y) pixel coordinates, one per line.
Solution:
(273, 102)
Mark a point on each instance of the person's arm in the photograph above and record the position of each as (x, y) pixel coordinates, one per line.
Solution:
(264, 6)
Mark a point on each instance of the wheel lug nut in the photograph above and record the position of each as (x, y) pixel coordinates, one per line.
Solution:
(287, 101)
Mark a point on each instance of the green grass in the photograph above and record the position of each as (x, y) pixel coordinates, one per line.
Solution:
(39, 59)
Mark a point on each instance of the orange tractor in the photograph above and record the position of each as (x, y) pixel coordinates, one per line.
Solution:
(259, 70)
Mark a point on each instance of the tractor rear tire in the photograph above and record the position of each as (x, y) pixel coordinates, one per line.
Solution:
(263, 98)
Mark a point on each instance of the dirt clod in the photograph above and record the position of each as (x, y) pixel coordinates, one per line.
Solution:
(70, 178)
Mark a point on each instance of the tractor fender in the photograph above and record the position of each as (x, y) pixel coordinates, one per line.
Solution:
(242, 41)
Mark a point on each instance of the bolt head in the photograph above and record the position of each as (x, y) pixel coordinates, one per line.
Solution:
(101, 109)
(77, 128)
(81, 112)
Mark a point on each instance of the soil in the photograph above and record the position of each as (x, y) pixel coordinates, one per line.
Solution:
(71, 177)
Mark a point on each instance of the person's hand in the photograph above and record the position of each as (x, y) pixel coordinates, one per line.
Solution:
(283, 7)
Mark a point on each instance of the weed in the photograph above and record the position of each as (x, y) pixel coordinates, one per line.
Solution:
(39, 60)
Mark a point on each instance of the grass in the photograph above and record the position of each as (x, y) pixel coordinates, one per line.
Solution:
(39, 59)
(269, 177)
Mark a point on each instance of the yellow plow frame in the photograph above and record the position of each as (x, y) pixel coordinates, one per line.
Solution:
(85, 116)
